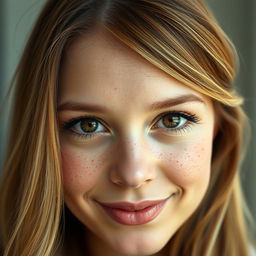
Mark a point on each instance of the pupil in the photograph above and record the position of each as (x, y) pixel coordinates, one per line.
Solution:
(89, 125)
(171, 121)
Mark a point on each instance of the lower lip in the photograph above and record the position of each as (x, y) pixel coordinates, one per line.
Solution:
(135, 217)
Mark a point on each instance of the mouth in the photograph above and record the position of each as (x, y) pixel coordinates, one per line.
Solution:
(128, 213)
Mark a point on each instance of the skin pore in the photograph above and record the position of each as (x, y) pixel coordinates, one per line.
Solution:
(129, 132)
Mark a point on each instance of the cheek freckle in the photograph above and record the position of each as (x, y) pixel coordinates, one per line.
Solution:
(186, 165)
(79, 172)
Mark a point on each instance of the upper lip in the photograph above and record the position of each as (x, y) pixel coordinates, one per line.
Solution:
(129, 206)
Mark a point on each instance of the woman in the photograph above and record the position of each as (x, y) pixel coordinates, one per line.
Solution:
(129, 134)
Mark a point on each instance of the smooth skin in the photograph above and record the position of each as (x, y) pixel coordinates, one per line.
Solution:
(134, 153)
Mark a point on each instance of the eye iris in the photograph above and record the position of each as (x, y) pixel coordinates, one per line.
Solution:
(171, 121)
(88, 125)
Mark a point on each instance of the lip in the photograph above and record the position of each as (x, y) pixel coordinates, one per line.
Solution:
(128, 213)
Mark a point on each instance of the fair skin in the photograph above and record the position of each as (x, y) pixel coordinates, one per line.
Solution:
(134, 155)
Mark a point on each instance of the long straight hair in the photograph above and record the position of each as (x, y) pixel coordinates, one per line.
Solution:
(180, 37)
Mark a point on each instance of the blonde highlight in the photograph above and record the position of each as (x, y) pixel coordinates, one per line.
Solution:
(183, 39)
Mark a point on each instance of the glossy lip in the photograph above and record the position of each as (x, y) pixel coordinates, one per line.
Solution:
(128, 213)
(129, 206)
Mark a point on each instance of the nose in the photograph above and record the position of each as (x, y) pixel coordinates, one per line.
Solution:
(133, 165)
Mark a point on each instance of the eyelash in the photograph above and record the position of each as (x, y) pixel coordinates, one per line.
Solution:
(190, 120)
(69, 124)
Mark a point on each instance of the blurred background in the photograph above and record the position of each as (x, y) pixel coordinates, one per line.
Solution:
(237, 18)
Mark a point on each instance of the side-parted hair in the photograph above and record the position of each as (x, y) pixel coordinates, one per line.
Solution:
(180, 37)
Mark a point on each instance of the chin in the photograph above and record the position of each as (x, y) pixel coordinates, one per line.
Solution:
(131, 250)
(138, 245)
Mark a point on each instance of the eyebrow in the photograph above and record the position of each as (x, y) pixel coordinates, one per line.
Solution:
(83, 107)
(175, 101)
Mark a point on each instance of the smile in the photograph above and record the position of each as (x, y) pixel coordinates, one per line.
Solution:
(127, 213)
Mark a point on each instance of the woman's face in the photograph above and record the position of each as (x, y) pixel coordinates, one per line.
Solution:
(136, 147)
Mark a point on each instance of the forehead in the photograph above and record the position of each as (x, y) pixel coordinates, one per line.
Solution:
(99, 68)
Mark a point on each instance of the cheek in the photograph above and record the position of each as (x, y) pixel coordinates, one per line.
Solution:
(188, 165)
(80, 172)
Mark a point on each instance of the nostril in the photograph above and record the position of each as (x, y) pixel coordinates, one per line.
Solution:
(119, 182)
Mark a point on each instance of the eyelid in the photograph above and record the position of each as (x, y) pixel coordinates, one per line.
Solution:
(191, 119)
(67, 126)
(75, 120)
(185, 114)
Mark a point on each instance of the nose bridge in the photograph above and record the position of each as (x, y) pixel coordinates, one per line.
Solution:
(132, 165)
(130, 152)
